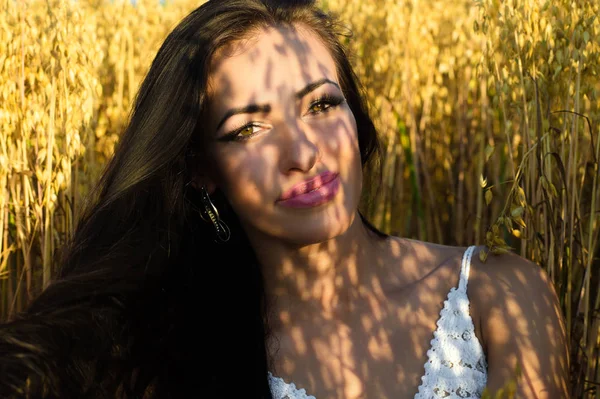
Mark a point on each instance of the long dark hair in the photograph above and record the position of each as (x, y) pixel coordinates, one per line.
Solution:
(146, 300)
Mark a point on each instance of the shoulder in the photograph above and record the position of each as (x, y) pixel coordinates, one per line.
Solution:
(507, 280)
(517, 313)
(499, 275)
(508, 272)
(509, 284)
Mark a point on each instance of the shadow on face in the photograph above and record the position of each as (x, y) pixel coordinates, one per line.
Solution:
(279, 118)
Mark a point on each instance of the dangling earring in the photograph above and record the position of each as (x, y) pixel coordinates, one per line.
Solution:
(211, 215)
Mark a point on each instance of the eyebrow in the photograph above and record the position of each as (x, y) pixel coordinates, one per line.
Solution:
(266, 108)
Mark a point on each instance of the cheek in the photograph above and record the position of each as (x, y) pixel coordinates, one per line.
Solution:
(342, 142)
(245, 176)
(348, 153)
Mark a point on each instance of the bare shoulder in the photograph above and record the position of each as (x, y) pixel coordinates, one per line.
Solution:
(507, 275)
(521, 325)
(511, 284)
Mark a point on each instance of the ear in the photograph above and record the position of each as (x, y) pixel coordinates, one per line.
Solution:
(202, 180)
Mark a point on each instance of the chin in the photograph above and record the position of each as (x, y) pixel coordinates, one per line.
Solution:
(318, 232)
(299, 228)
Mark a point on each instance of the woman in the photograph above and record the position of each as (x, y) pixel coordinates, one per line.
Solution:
(223, 254)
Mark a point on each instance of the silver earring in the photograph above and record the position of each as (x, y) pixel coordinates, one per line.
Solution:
(210, 214)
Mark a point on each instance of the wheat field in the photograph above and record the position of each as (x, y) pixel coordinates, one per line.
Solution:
(489, 112)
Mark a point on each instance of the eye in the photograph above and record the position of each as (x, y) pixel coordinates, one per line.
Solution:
(324, 103)
(246, 131)
(319, 107)
(242, 133)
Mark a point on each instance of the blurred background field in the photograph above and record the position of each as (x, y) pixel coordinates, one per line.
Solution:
(489, 112)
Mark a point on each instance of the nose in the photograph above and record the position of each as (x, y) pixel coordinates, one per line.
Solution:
(300, 151)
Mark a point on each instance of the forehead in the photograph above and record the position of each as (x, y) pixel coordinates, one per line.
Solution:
(269, 62)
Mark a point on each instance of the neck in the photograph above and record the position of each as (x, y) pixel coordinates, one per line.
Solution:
(326, 277)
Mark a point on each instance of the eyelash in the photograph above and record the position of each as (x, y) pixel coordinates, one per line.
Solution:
(326, 99)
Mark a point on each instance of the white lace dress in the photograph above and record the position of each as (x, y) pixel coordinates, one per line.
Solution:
(456, 366)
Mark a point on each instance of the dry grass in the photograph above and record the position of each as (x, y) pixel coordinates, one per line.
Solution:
(489, 111)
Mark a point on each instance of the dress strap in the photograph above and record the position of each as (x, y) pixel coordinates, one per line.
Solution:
(465, 268)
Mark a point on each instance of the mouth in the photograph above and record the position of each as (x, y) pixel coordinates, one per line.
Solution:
(312, 192)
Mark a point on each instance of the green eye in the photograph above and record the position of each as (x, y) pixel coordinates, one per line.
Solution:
(318, 107)
(324, 103)
(242, 133)
(246, 131)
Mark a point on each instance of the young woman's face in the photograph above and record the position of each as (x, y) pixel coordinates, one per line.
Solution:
(285, 141)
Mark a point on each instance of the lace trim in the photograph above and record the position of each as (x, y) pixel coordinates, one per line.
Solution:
(282, 390)
(456, 366)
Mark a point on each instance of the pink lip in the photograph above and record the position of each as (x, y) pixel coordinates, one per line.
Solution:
(312, 192)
